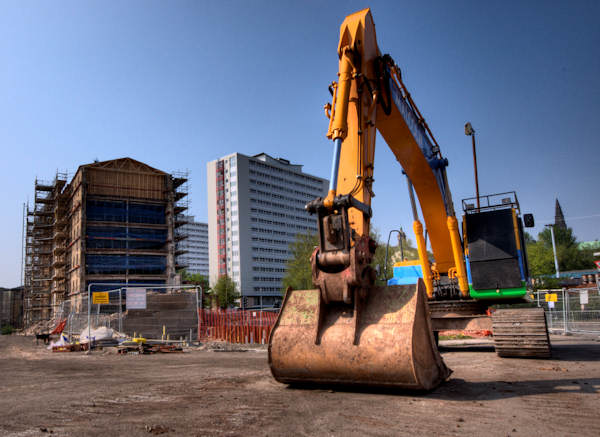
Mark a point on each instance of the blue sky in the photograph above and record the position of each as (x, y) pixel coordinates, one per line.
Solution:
(176, 84)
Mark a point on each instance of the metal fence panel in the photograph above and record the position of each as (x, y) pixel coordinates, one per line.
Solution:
(170, 312)
(576, 310)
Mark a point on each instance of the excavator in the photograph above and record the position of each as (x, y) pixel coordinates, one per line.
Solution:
(348, 330)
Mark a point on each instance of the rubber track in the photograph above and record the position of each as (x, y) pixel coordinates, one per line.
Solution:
(521, 333)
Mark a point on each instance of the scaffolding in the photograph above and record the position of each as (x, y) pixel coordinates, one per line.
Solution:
(59, 241)
(42, 277)
(115, 222)
(181, 204)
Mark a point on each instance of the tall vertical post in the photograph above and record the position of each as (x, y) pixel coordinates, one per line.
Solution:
(89, 318)
(198, 300)
(469, 131)
(475, 167)
(565, 294)
(23, 239)
(550, 314)
(554, 250)
(120, 310)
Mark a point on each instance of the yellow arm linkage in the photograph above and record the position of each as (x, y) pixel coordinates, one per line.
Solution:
(357, 113)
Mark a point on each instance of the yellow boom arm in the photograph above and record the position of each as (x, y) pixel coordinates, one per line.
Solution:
(370, 95)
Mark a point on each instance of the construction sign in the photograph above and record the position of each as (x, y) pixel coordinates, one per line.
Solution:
(135, 299)
(551, 297)
(100, 297)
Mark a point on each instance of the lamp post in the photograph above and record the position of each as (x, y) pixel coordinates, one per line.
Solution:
(554, 249)
(401, 237)
(470, 132)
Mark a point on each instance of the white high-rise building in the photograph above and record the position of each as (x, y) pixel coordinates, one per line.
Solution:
(255, 210)
(195, 247)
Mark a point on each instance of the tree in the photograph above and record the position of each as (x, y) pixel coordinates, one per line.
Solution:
(195, 279)
(298, 271)
(199, 280)
(225, 291)
(541, 255)
(528, 238)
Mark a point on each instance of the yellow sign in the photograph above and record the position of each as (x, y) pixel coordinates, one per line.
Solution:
(551, 297)
(100, 297)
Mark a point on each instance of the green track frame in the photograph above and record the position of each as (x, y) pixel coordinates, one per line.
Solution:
(502, 293)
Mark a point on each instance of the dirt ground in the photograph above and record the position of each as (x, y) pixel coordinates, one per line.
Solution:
(232, 393)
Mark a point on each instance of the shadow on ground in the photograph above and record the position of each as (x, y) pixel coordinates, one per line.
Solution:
(458, 389)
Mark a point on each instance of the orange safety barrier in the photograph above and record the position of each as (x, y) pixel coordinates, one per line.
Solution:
(236, 326)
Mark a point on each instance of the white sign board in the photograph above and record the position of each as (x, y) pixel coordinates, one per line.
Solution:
(135, 299)
(583, 297)
(550, 304)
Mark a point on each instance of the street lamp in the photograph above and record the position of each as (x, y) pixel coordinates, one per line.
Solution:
(470, 132)
(554, 249)
(401, 237)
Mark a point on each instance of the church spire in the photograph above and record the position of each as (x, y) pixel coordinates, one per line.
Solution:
(559, 218)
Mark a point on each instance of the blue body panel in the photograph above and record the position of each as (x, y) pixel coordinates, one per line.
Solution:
(406, 275)
(521, 265)
(468, 264)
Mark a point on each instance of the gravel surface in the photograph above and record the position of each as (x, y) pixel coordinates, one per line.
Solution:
(204, 393)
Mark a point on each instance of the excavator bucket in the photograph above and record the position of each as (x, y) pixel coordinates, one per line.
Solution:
(391, 344)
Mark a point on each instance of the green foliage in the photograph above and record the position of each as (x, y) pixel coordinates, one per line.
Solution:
(6, 330)
(563, 237)
(541, 255)
(195, 279)
(298, 272)
(541, 259)
(225, 291)
(528, 238)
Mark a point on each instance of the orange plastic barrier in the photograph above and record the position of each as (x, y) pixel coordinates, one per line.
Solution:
(236, 326)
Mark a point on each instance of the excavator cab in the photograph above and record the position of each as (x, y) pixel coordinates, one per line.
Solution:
(494, 246)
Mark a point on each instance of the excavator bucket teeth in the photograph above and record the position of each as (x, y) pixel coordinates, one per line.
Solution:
(394, 346)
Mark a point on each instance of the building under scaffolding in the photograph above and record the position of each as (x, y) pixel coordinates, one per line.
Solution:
(116, 222)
